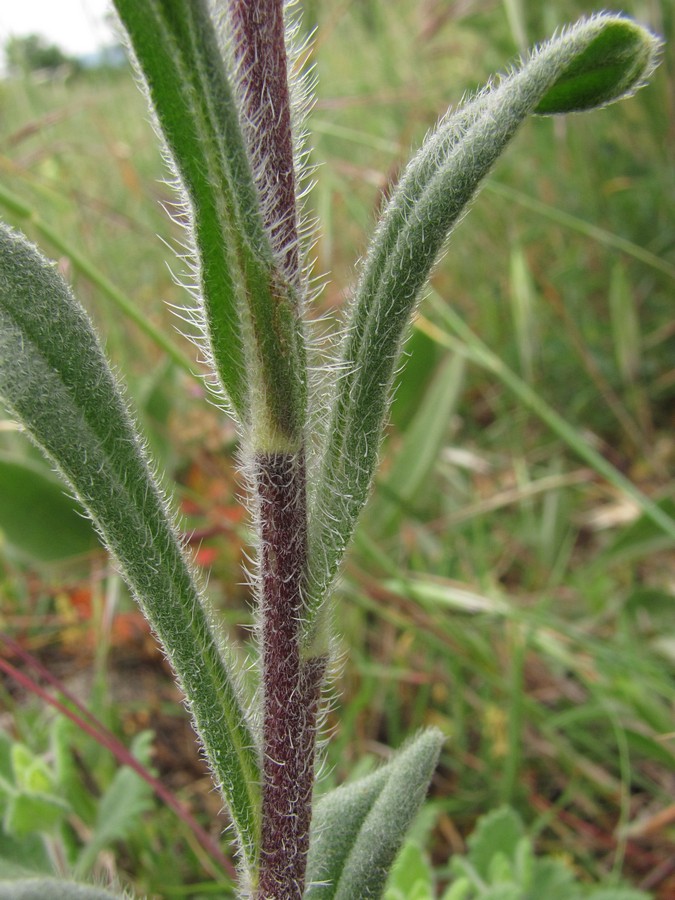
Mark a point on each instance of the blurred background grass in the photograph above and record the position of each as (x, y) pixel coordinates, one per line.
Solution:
(499, 586)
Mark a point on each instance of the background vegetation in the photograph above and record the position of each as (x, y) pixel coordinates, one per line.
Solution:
(499, 586)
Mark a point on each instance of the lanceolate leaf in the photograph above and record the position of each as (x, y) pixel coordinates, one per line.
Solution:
(249, 310)
(595, 62)
(183, 86)
(358, 829)
(54, 378)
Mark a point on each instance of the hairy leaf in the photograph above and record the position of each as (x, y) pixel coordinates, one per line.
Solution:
(358, 829)
(614, 64)
(56, 381)
(249, 308)
(429, 200)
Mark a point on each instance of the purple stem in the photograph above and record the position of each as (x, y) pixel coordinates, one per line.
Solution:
(291, 687)
(262, 81)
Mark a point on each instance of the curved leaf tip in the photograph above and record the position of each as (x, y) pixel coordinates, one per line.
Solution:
(616, 63)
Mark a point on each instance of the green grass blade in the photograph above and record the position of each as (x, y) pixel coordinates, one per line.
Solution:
(469, 344)
(421, 445)
(641, 538)
(56, 381)
(588, 229)
(130, 309)
(428, 202)
(523, 311)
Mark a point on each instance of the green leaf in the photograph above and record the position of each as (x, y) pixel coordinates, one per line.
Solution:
(429, 200)
(65, 736)
(30, 772)
(6, 763)
(459, 890)
(52, 889)
(39, 521)
(614, 65)
(501, 869)
(56, 381)
(28, 813)
(411, 877)
(497, 832)
(120, 807)
(502, 892)
(36, 778)
(357, 829)
(524, 863)
(553, 880)
(186, 87)
(23, 857)
(500, 863)
(250, 314)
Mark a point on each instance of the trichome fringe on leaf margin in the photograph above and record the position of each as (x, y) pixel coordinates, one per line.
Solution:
(596, 61)
(56, 381)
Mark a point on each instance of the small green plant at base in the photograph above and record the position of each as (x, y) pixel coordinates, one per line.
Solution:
(500, 864)
(38, 792)
(311, 421)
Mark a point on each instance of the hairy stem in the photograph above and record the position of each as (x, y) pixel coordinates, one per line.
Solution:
(291, 686)
(262, 80)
